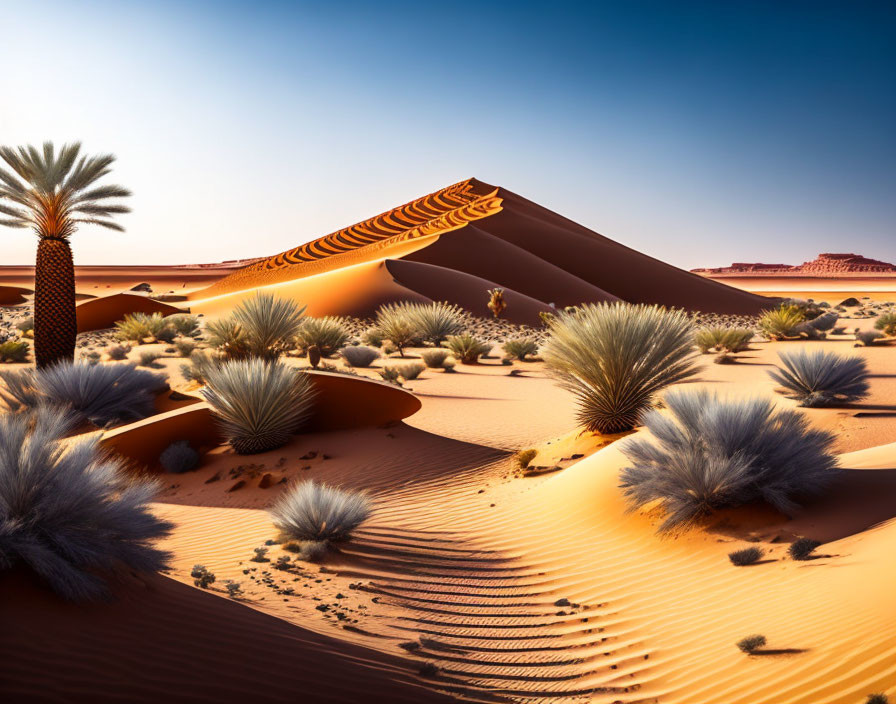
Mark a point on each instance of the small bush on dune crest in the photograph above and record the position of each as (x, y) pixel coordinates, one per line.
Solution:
(722, 339)
(68, 511)
(821, 378)
(12, 351)
(435, 358)
(359, 356)
(466, 348)
(202, 578)
(614, 357)
(751, 644)
(259, 405)
(98, 393)
(318, 512)
(710, 453)
(781, 323)
(179, 457)
(802, 548)
(328, 334)
(886, 323)
(270, 324)
(747, 556)
(520, 348)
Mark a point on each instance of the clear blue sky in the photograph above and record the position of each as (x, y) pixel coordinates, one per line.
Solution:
(698, 132)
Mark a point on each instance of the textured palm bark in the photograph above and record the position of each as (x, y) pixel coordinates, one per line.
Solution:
(55, 323)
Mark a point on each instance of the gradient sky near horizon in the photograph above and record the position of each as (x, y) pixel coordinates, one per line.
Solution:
(700, 133)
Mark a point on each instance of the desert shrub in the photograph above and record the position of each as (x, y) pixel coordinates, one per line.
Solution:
(283, 562)
(228, 337)
(747, 556)
(886, 323)
(467, 348)
(329, 334)
(802, 548)
(26, 324)
(202, 578)
(184, 346)
(359, 356)
(390, 374)
(397, 325)
(877, 699)
(524, 458)
(710, 453)
(138, 327)
(520, 348)
(270, 324)
(312, 511)
(234, 589)
(868, 337)
(751, 644)
(259, 405)
(179, 457)
(118, 352)
(496, 302)
(91, 357)
(435, 321)
(809, 308)
(821, 378)
(69, 511)
(12, 351)
(435, 358)
(615, 357)
(372, 336)
(200, 362)
(312, 550)
(183, 325)
(260, 554)
(781, 322)
(100, 394)
(722, 339)
(410, 371)
(147, 359)
(166, 334)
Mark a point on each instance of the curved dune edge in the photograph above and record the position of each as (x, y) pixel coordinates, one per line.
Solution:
(13, 295)
(103, 312)
(343, 402)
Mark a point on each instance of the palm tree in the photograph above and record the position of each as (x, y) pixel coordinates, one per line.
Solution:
(54, 194)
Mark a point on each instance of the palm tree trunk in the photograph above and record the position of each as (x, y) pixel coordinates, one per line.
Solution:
(55, 324)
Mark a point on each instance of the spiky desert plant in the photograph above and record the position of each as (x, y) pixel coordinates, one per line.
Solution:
(179, 457)
(68, 511)
(329, 334)
(397, 326)
(722, 339)
(183, 324)
(435, 358)
(373, 336)
(270, 323)
(410, 371)
(312, 511)
(886, 323)
(437, 320)
(747, 556)
(98, 393)
(711, 452)
(138, 327)
(615, 357)
(466, 348)
(228, 337)
(259, 404)
(821, 378)
(781, 323)
(520, 348)
(496, 303)
(802, 548)
(12, 351)
(53, 194)
(184, 346)
(359, 356)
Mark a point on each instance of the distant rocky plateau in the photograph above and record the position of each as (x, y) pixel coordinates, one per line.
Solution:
(825, 264)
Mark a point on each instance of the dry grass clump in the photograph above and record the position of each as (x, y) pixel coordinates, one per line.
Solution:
(309, 511)
(13, 352)
(709, 453)
(269, 324)
(69, 511)
(782, 322)
(614, 357)
(802, 548)
(435, 321)
(751, 644)
(328, 334)
(359, 355)
(466, 348)
(435, 358)
(118, 353)
(410, 371)
(747, 556)
(179, 457)
(228, 337)
(397, 325)
(821, 378)
(139, 327)
(520, 348)
(723, 339)
(259, 404)
(886, 323)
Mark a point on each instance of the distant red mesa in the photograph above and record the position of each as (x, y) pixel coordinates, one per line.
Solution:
(826, 264)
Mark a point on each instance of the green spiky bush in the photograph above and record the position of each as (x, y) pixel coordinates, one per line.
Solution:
(435, 321)
(137, 327)
(435, 358)
(359, 356)
(397, 326)
(722, 339)
(228, 337)
(520, 348)
(709, 453)
(69, 511)
(821, 378)
(12, 351)
(373, 336)
(260, 405)
(270, 324)
(309, 511)
(466, 348)
(615, 357)
(329, 334)
(781, 323)
(184, 346)
(886, 323)
(183, 325)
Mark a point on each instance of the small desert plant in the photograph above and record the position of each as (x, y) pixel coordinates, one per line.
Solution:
(202, 578)
(802, 548)
(545, 317)
(397, 325)
(166, 334)
(101, 394)
(877, 699)
(311, 511)
(183, 325)
(435, 358)
(781, 323)
(68, 511)
(118, 352)
(270, 324)
(821, 378)
(184, 346)
(710, 453)
(886, 323)
(12, 351)
(496, 303)
(147, 359)
(200, 362)
(391, 374)
(228, 337)
(410, 371)
(615, 357)
(359, 356)
(138, 327)
(373, 337)
(259, 404)
(722, 339)
(312, 550)
(283, 562)
(747, 556)
(328, 334)
(868, 337)
(234, 589)
(524, 458)
(466, 348)
(520, 348)
(751, 644)
(179, 457)
(260, 555)
(435, 321)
